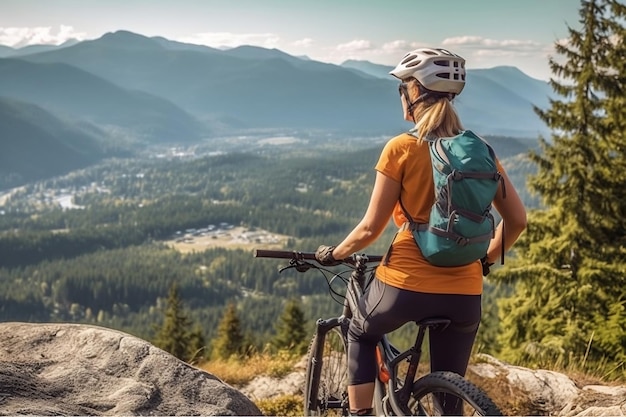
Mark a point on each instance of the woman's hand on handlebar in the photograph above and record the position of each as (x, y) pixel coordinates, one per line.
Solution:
(324, 255)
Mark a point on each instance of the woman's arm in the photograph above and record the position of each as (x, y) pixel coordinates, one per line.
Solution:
(510, 207)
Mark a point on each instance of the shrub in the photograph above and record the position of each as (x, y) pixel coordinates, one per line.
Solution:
(284, 405)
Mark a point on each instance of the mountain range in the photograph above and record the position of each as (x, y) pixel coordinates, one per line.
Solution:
(135, 89)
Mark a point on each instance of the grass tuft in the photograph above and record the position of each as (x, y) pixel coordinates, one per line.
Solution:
(238, 371)
(285, 405)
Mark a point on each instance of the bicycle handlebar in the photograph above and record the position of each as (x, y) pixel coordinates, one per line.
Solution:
(285, 254)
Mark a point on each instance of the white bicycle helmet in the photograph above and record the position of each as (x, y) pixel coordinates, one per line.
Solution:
(436, 69)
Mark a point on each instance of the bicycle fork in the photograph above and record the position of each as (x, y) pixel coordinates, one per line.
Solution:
(322, 327)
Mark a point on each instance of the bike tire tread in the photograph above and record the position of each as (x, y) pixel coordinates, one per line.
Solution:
(455, 384)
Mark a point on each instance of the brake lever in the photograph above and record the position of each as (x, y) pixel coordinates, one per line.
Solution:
(301, 266)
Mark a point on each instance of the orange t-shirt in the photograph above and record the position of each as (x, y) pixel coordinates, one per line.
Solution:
(407, 160)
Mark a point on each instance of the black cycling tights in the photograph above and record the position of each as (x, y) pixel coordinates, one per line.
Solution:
(385, 308)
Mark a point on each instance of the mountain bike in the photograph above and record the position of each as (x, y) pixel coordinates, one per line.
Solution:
(398, 389)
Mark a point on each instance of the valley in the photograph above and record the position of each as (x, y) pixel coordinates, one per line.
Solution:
(190, 215)
(106, 204)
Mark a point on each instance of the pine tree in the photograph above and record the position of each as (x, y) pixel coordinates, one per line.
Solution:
(290, 330)
(197, 345)
(230, 338)
(175, 335)
(571, 276)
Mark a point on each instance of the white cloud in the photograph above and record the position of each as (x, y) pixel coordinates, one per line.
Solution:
(462, 40)
(357, 45)
(563, 42)
(481, 52)
(228, 39)
(362, 49)
(397, 46)
(18, 37)
(303, 43)
(493, 44)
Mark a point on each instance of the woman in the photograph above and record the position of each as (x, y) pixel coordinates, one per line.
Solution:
(408, 287)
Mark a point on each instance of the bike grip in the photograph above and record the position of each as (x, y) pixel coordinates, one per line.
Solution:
(288, 254)
(283, 254)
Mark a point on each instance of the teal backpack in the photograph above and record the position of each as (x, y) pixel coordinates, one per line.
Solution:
(466, 180)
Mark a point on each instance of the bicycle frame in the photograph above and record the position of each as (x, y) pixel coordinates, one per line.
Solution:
(354, 291)
(390, 358)
(394, 392)
(388, 355)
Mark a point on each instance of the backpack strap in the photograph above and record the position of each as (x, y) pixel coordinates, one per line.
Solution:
(459, 239)
(406, 213)
(412, 226)
(502, 253)
(446, 233)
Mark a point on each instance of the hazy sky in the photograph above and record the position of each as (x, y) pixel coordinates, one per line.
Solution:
(486, 33)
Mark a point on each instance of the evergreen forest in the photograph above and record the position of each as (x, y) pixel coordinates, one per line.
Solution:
(108, 260)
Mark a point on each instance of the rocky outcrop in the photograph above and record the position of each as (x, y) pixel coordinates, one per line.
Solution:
(517, 390)
(72, 369)
(543, 392)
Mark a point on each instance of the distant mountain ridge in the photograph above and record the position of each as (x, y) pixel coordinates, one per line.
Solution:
(72, 92)
(253, 86)
(258, 87)
(36, 144)
(504, 92)
(7, 51)
(146, 90)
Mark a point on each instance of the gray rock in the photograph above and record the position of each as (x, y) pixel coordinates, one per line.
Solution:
(73, 369)
(555, 393)
(263, 386)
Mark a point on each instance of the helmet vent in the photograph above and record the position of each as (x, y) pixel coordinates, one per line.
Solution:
(409, 59)
(442, 63)
(444, 75)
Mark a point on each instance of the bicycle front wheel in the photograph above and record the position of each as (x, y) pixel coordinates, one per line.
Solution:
(447, 393)
(326, 390)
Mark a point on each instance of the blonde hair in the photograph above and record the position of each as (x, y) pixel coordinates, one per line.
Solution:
(434, 115)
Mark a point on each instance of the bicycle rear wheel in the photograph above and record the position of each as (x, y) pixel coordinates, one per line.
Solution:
(326, 389)
(447, 393)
